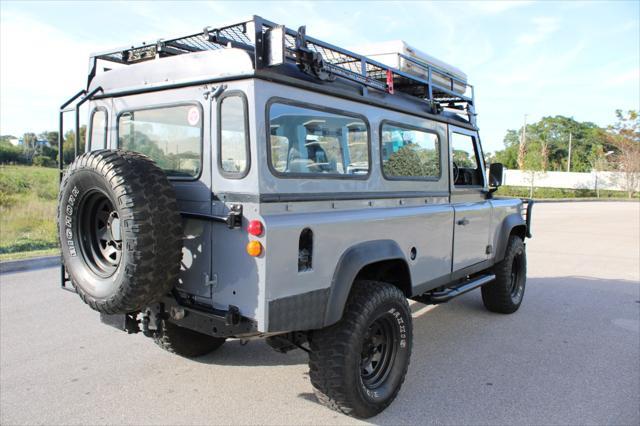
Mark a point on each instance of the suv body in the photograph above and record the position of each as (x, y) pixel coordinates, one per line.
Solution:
(314, 154)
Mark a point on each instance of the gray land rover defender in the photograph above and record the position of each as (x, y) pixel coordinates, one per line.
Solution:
(250, 181)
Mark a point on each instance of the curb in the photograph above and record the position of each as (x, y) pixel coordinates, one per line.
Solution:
(585, 200)
(29, 264)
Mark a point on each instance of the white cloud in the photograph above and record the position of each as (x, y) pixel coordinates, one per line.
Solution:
(543, 27)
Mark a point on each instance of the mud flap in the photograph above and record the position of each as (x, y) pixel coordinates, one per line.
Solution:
(123, 322)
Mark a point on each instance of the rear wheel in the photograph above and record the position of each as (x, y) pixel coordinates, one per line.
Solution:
(357, 366)
(185, 342)
(504, 295)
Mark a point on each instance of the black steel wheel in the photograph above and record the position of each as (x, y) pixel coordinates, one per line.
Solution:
(358, 365)
(120, 230)
(378, 351)
(504, 295)
(517, 278)
(101, 233)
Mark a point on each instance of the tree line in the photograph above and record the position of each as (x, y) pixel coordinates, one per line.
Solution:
(32, 152)
(544, 145)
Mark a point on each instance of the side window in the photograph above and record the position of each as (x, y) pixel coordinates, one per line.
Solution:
(409, 153)
(312, 141)
(466, 165)
(98, 135)
(171, 136)
(233, 136)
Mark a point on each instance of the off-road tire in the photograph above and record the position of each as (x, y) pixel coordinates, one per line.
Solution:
(149, 223)
(185, 342)
(504, 295)
(337, 353)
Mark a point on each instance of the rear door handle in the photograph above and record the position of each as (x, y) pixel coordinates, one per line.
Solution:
(464, 221)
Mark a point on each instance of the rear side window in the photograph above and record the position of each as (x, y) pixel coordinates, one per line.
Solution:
(316, 142)
(170, 136)
(98, 135)
(409, 153)
(233, 136)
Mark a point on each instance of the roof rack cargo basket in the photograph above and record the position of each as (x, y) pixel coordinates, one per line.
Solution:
(271, 44)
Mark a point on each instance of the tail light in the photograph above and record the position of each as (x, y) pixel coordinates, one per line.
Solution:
(255, 228)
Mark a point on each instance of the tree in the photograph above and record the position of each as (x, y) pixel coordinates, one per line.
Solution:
(625, 137)
(29, 140)
(509, 155)
(68, 144)
(548, 142)
(51, 137)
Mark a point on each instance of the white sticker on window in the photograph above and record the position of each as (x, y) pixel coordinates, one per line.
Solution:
(193, 116)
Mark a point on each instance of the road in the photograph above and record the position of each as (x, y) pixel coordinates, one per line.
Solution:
(570, 355)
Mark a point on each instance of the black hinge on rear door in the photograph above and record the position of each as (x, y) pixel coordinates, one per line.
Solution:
(233, 219)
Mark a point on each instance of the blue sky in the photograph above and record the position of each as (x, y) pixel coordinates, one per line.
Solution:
(580, 59)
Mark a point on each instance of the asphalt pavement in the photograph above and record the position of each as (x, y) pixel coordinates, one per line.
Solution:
(570, 355)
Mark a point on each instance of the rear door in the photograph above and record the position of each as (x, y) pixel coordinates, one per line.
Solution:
(472, 210)
(168, 127)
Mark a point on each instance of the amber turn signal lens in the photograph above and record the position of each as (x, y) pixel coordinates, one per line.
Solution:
(255, 228)
(254, 248)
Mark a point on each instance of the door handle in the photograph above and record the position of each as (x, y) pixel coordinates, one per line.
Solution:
(464, 221)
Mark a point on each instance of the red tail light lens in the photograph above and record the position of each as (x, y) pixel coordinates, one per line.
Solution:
(255, 228)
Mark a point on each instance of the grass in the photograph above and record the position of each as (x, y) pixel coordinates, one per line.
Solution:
(29, 254)
(558, 193)
(28, 199)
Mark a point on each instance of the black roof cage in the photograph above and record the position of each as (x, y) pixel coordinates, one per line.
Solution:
(271, 44)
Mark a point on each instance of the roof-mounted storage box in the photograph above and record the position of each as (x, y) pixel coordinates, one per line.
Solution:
(398, 54)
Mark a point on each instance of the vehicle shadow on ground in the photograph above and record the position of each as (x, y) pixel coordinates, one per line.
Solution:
(254, 353)
(463, 336)
(258, 353)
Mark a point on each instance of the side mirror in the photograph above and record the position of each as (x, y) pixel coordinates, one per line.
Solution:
(496, 171)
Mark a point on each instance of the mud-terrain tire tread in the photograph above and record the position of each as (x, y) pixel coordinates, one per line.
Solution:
(496, 295)
(147, 199)
(330, 346)
(185, 342)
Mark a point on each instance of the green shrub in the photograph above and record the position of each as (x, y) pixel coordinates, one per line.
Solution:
(524, 192)
(11, 154)
(43, 161)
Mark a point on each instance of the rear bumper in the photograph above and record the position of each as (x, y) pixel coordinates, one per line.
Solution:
(212, 322)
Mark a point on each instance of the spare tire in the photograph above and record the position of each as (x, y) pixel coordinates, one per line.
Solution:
(120, 230)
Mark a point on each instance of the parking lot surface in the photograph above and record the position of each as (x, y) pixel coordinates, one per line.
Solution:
(570, 355)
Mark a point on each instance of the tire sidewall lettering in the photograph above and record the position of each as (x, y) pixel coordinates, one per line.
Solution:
(402, 327)
(70, 207)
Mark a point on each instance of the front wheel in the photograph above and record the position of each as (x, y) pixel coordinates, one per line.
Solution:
(357, 366)
(504, 295)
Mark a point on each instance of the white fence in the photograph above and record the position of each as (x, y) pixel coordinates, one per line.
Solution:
(569, 180)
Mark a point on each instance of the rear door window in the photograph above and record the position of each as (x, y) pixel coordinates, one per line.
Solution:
(171, 136)
(409, 153)
(233, 136)
(98, 133)
(317, 142)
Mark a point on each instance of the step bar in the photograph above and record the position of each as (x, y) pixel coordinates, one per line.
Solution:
(436, 297)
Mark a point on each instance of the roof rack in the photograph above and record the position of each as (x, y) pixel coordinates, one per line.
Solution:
(271, 44)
